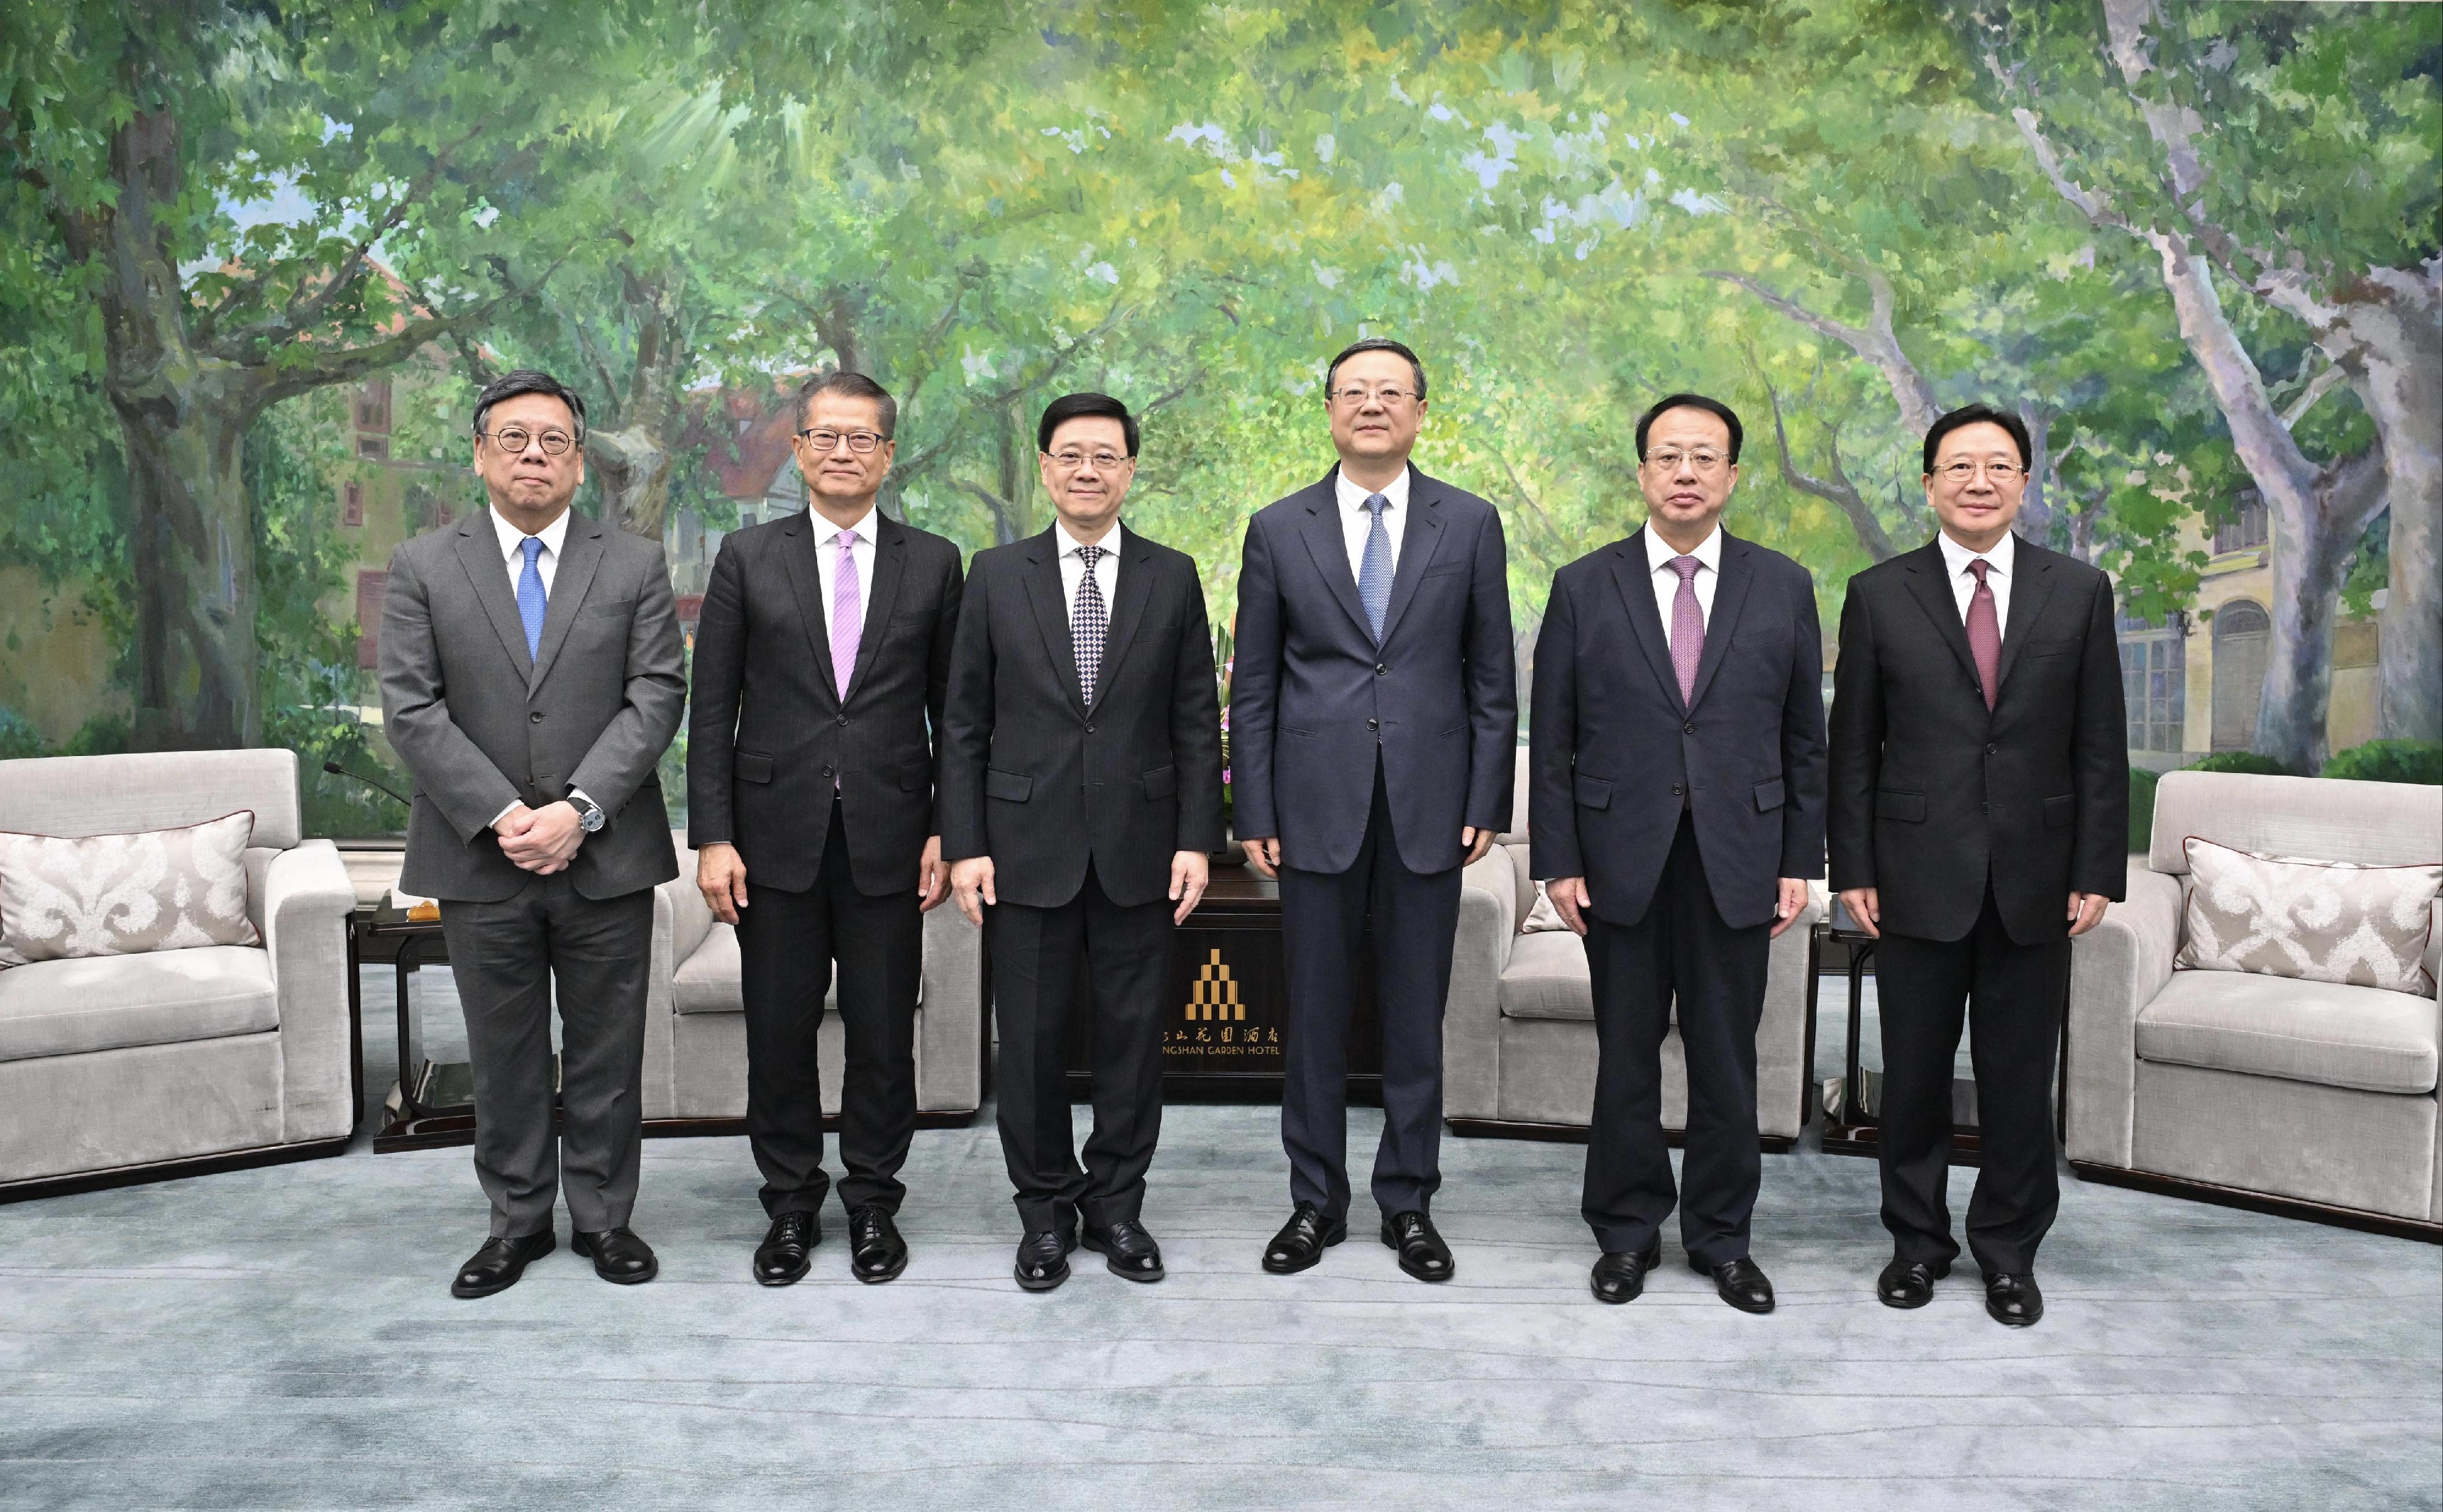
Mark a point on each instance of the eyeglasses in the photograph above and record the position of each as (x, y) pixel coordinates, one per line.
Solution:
(1071, 461)
(859, 442)
(1356, 394)
(1670, 460)
(515, 439)
(1999, 472)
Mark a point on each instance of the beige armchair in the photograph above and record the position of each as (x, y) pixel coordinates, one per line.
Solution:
(695, 1022)
(2311, 1099)
(121, 1068)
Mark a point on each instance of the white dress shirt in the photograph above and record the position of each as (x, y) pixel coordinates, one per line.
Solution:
(862, 535)
(1998, 576)
(1073, 568)
(513, 549)
(1357, 521)
(1659, 558)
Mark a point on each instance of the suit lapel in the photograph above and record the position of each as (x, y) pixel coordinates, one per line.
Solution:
(1330, 549)
(2033, 567)
(1929, 581)
(798, 556)
(1636, 585)
(1418, 543)
(1132, 585)
(580, 553)
(890, 566)
(1730, 591)
(1051, 612)
(488, 572)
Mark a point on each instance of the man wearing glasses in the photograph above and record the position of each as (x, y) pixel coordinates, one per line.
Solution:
(1081, 799)
(531, 677)
(1374, 711)
(1676, 807)
(1979, 819)
(821, 657)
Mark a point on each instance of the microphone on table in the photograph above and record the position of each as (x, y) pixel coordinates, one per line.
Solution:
(338, 771)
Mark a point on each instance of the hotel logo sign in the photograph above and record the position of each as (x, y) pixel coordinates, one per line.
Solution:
(1214, 994)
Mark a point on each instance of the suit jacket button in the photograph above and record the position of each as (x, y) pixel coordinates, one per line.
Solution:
(1679, 790)
(1089, 729)
(1380, 669)
(1687, 729)
(536, 717)
(1373, 724)
(827, 771)
(1992, 749)
(843, 718)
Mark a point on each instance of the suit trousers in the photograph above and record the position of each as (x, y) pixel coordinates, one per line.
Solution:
(1407, 920)
(1680, 950)
(2012, 997)
(787, 945)
(507, 958)
(1036, 957)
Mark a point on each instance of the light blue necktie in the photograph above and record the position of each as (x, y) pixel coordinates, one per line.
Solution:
(530, 597)
(1374, 568)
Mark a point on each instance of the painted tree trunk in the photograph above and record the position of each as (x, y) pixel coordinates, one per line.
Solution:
(193, 550)
(2397, 372)
(633, 469)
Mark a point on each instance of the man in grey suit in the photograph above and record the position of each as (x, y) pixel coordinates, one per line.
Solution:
(1374, 713)
(531, 677)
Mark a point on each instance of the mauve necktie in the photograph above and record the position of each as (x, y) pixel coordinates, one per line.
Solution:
(1985, 634)
(1086, 626)
(1687, 627)
(1374, 568)
(530, 596)
(848, 613)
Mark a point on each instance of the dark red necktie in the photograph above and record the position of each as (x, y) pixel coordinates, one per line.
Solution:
(1985, 634)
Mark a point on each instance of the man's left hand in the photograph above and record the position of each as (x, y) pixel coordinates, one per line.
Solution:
(1475, 841)
(2085, 912)
(1791, 904)
(1190, 871)
(550, 843)
(933, 876)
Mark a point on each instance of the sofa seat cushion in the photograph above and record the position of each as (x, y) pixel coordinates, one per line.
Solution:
(1547, 979)
(113, 1002)
(709, 981)
(2327, 1033)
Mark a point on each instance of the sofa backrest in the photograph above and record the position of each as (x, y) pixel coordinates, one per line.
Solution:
(116, 795)
(2375, 824)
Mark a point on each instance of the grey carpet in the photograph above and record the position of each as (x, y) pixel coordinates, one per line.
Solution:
(284, 1338)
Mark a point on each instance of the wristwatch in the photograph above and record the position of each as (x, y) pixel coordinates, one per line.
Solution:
(590, 816)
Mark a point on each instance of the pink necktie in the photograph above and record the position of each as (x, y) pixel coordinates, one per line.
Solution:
(1985, 634)
(847, 613)
(1687, 627)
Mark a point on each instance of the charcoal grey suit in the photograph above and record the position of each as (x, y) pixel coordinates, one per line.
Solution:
(479, 725)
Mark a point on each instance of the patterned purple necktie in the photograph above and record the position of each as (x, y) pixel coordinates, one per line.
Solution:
(848, 613)
(1087, 625)
(1985, 634)
(1687, 627)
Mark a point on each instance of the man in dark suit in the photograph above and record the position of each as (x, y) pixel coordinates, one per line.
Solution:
(1979, 819)
(1374, 718)
(822, 659)
(1677, 808)
(531, 677)
(1081, 799)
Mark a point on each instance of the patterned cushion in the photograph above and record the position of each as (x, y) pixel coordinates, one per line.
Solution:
(2312, 920)
(125, 895)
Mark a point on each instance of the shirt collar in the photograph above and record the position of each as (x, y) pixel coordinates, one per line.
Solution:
(1955, 557)
(1070, 545)
(828, 534)
(1708, 552)
(1353, 498)
(551, 535)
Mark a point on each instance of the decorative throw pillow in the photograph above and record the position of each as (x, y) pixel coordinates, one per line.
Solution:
(124, 894)
(1543, 917)
(2313, 920)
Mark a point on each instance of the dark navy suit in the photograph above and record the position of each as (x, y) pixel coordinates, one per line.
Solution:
(1681, 814)
(1365, 761)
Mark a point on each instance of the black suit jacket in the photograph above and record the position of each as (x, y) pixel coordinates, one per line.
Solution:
(1616, 755)
(1931, 794)
(769, 732)
(1042, 781)
(1313, 699)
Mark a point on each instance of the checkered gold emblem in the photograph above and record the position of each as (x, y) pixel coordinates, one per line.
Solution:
(1214, 994)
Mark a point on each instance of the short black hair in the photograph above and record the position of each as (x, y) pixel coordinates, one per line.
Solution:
(1078, 406)
(528, 380)
(1971, 414)
(1691, 401)
(851, 385)
(1374, 343)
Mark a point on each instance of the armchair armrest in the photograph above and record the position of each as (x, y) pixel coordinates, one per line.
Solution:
(1782, 1071)
(1488, 907)
(949, 1055)
(681, 924)
(2115, 970)
(307, 899)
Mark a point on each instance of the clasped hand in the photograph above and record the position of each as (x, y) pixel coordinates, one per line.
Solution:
(541, 840)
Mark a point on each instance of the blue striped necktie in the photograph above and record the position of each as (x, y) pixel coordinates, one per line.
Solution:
(1374, 568)
(530, 596)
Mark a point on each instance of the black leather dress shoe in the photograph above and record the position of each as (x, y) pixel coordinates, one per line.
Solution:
(618, 1256)
(1303, 1240)
(876, 1251)
(1043, 1259)
(1128, 1251)
(1422, 1254)
(498, 1264)
(2013, 1300)
(1620, 1277)
(781, 1260)
(1909, 1283)
(1739, 1282)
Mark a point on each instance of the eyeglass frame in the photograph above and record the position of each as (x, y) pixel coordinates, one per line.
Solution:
(1669, 460)
(874, 441)
(1999, 472)
(576, 441)
(1117, 460)
(1358, 397)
